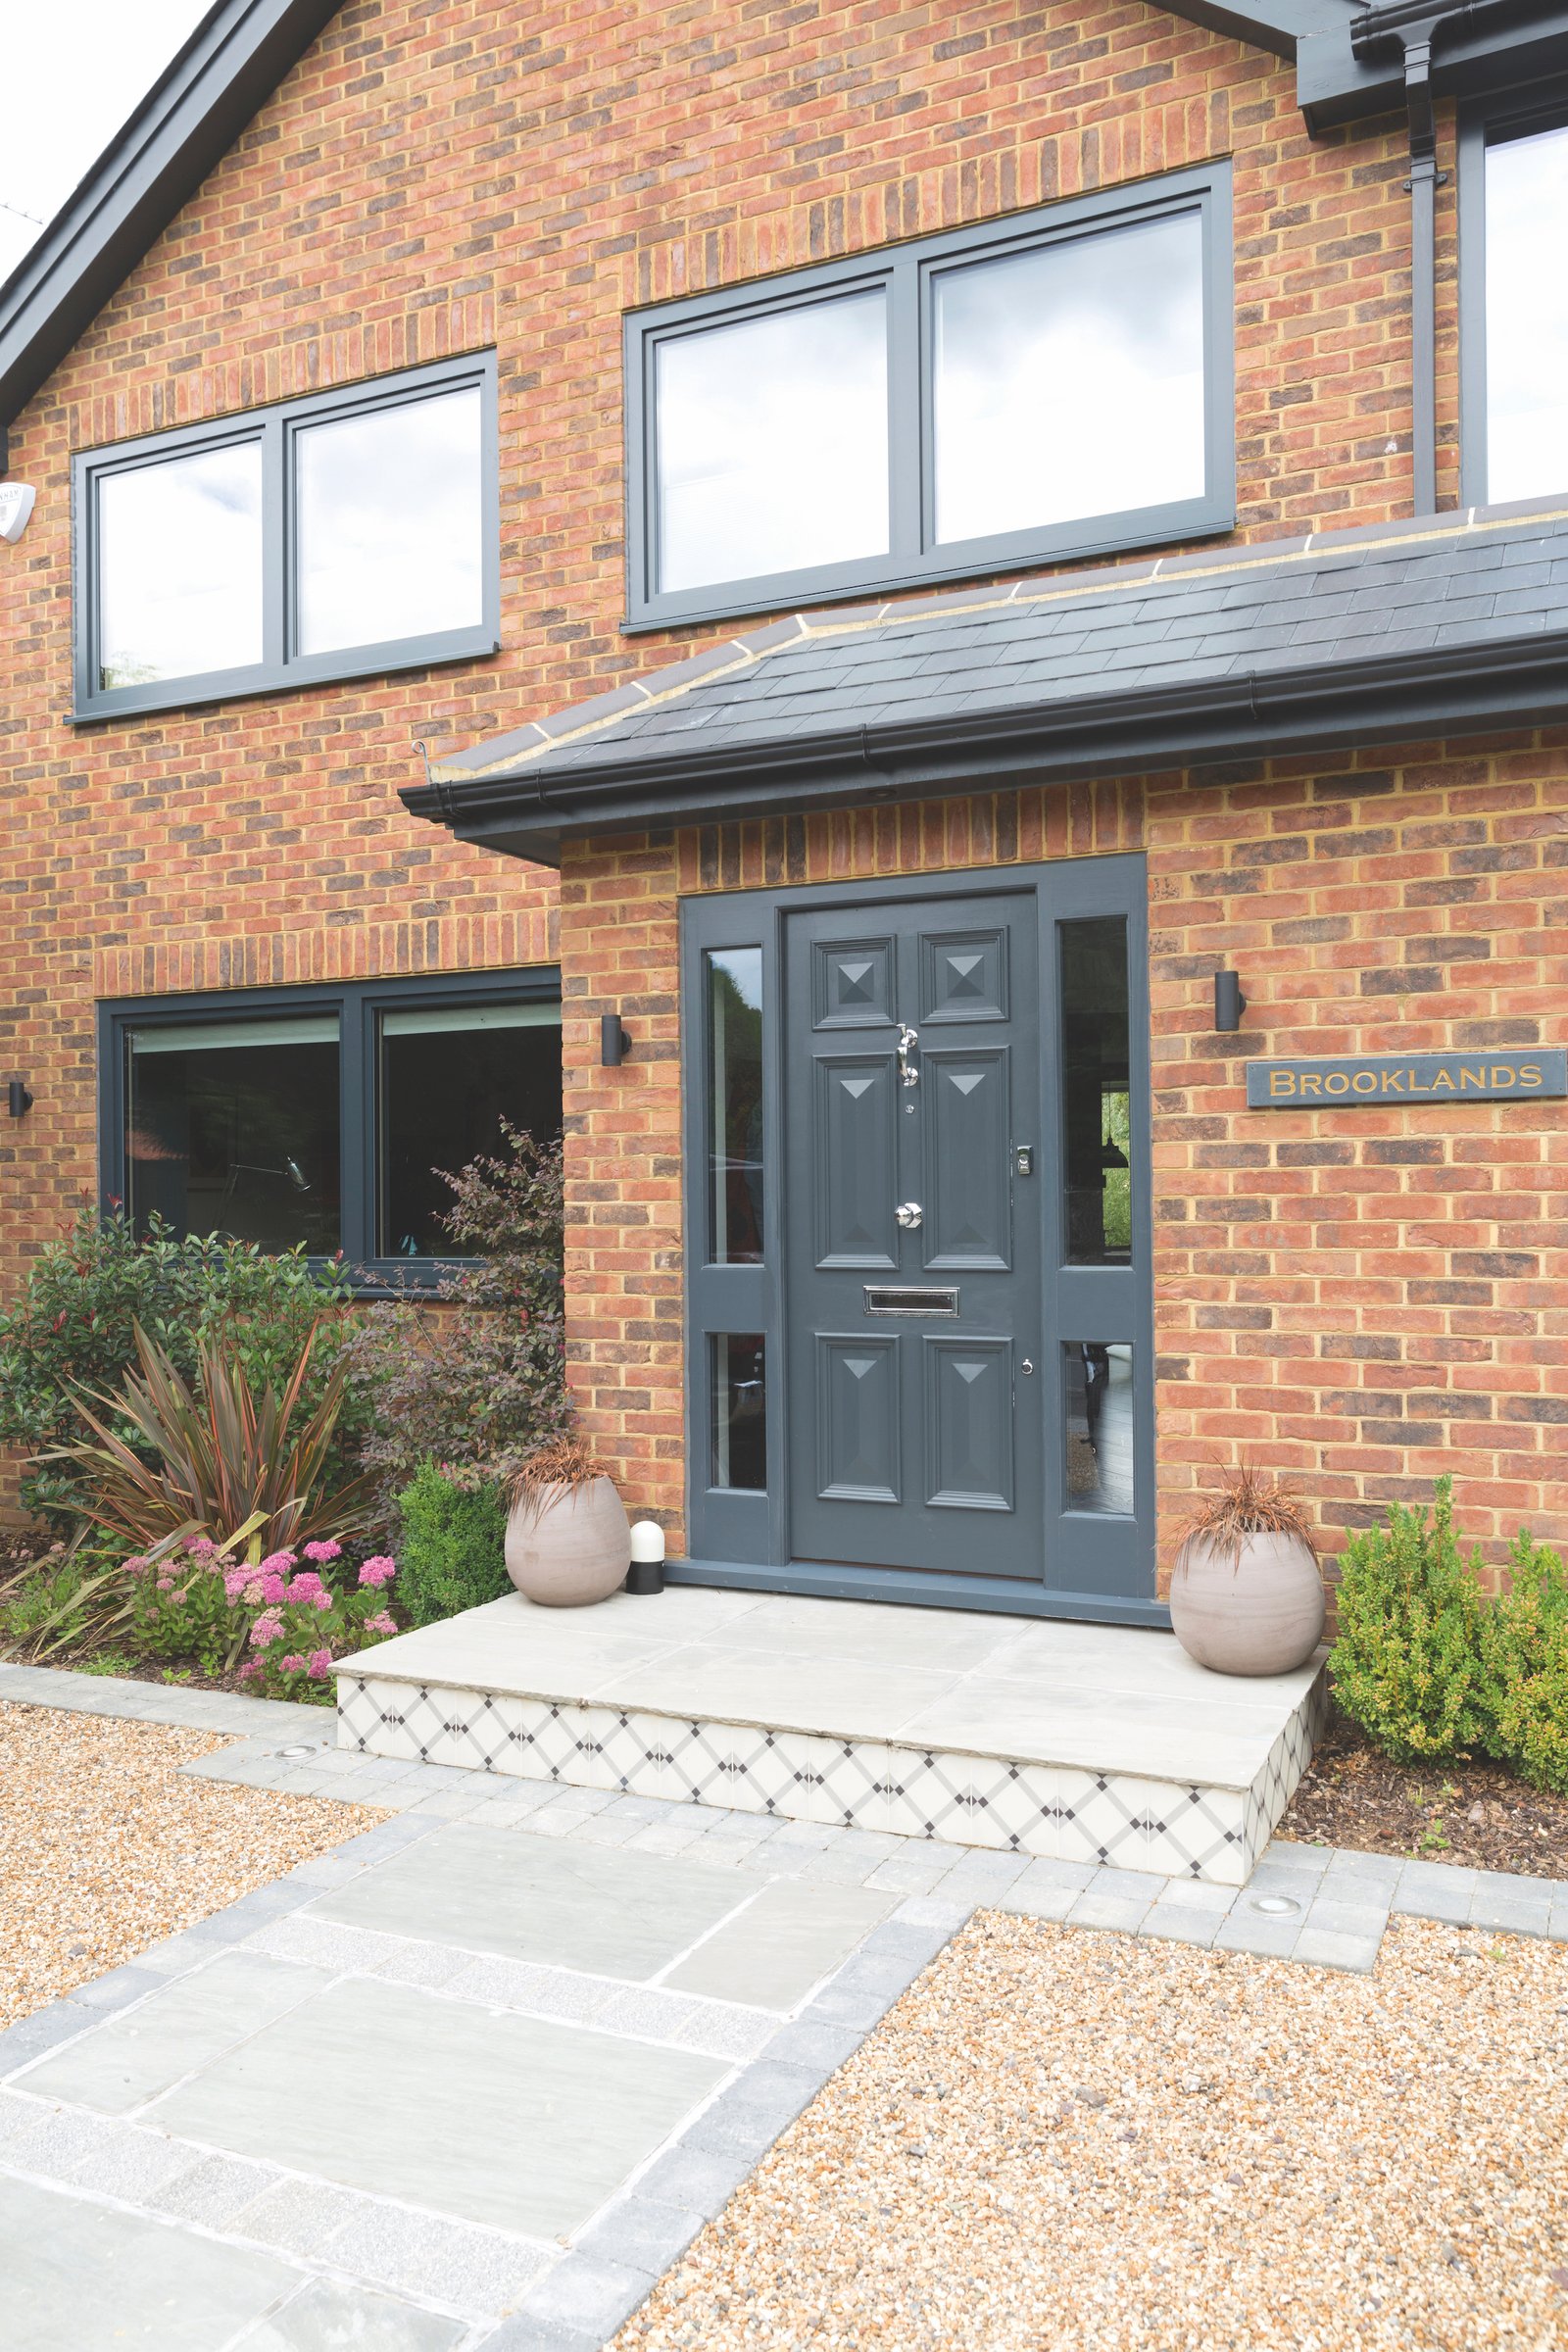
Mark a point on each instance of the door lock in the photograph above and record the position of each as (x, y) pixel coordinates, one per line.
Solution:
(908, 1214)
(1023, 1158)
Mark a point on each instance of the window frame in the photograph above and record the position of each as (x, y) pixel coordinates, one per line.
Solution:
(906, 272)
(359, 1006)
(275, 428)
(1484, 122)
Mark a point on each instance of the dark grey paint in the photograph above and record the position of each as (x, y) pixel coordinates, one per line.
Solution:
(904, 272)
(1098, 1568)
(281, 666)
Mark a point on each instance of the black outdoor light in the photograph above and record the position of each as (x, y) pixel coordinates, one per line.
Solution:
(614, 1042)
(1229, 1002)
(19, 1099)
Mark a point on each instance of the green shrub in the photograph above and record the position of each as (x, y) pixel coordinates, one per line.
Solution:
(476, 1381)
(75, 1327)
(1409, 1661)
(1526, 1652)
(450, 1553)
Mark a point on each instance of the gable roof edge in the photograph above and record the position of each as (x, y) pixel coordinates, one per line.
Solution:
(184, 128)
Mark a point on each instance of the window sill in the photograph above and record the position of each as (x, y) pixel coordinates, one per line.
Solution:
(292, 677)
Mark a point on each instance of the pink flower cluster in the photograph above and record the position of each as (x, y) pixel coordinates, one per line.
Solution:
(377, 1570)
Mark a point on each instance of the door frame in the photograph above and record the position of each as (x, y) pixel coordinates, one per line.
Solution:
(742, 1539)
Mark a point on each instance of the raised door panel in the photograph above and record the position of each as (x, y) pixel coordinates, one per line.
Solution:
(963, 976)
(852, 983)
(968, 1179)
(968, 1424)
(854, 1172)
(858, 1418)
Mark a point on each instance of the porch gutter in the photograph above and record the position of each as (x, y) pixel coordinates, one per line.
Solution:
(531, 810)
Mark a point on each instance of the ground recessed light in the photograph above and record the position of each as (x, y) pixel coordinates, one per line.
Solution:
(304, 1747)
(1278, 1906)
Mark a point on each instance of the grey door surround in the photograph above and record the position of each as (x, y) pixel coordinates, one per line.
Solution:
(994, 1247)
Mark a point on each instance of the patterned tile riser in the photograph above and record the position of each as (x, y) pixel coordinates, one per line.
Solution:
(1179, 1829)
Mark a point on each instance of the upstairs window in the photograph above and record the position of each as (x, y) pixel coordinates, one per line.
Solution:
(343, 535)
(1514, 195)
(1057, 384)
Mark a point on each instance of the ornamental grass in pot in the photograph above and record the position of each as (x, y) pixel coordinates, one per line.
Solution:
(568, 1540)
(1247, 1596)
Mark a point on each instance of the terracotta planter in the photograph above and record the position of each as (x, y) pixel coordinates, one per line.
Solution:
(1262, 1613)
(569, 1545)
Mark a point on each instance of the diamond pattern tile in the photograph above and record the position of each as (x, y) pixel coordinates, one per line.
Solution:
(1133, 1823)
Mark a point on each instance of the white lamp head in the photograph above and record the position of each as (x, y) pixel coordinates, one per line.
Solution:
(17, 502)
(646, 1540)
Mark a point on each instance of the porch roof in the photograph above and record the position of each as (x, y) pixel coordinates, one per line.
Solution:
(1405, 630)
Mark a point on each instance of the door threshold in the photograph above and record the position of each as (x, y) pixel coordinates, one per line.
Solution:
(921, 1588)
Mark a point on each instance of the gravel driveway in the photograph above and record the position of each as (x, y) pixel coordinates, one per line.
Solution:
(105, 1848)
(1070, 2141)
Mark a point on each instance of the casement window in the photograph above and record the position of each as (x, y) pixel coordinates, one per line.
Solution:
(342, 535)
(1513, 195)
(1057, 384)
(321, 1117)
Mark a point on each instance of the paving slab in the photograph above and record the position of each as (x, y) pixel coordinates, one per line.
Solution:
(79, 2277)
(598, 1908)
(327, 2315)
(788, 1937)
(515, 2122)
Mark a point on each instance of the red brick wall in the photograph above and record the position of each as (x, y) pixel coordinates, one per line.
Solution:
(439, 178)
(1364, 1299)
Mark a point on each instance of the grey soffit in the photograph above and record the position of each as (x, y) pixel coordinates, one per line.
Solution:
(1349, 637)
(181, 130)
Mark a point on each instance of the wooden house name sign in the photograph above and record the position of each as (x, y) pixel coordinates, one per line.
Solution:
(1369, 1078)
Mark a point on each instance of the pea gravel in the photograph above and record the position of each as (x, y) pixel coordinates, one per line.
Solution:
(1059, 2139)
(104, 1849)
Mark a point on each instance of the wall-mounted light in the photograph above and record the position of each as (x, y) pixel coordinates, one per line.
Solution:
(614, 1042)
(17, 502)
(18, 1099)
(1229, 1002)
(647, 1571)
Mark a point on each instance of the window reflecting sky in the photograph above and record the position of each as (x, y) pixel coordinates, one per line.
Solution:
(1069, 381)
(391, 524)
(179, 566)
(1527, 315)
(773, 443)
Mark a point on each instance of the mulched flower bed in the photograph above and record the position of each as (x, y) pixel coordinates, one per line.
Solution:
(1473, 1814)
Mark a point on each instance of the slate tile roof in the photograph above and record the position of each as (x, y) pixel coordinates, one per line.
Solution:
(1255, 613)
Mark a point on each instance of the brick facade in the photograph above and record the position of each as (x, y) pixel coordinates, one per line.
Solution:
(1357, 1296)
(1367, 1299)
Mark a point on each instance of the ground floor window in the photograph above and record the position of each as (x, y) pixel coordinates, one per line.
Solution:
(323, 1116)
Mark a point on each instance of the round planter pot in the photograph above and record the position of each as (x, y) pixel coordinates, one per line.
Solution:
(1262, 1613)
(568, 1545)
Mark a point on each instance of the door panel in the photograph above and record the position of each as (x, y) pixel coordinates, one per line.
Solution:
(855, 1162)
(858, 1418)
(929, 1447)
(967, 1194)
(968, 1421)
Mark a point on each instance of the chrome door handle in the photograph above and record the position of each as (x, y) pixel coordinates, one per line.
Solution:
(908, 1214)
(908, 1039)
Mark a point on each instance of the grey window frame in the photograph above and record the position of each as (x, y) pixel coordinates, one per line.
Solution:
(358, 1005)
(275, 428)
(1484, 122)
(905, 271)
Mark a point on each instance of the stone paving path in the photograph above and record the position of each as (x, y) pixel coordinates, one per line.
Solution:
(479, 2074)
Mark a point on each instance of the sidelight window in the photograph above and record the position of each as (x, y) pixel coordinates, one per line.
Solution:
(1096, 1390)
(344, 534)
(735, 1086)
(1049, 384)
(1097, 1101)
(324, 1118)
(1517, 193)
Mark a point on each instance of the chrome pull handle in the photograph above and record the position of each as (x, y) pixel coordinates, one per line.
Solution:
(908, 1039)
(908, 1214)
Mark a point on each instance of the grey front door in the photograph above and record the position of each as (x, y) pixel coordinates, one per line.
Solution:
(912, 1096)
